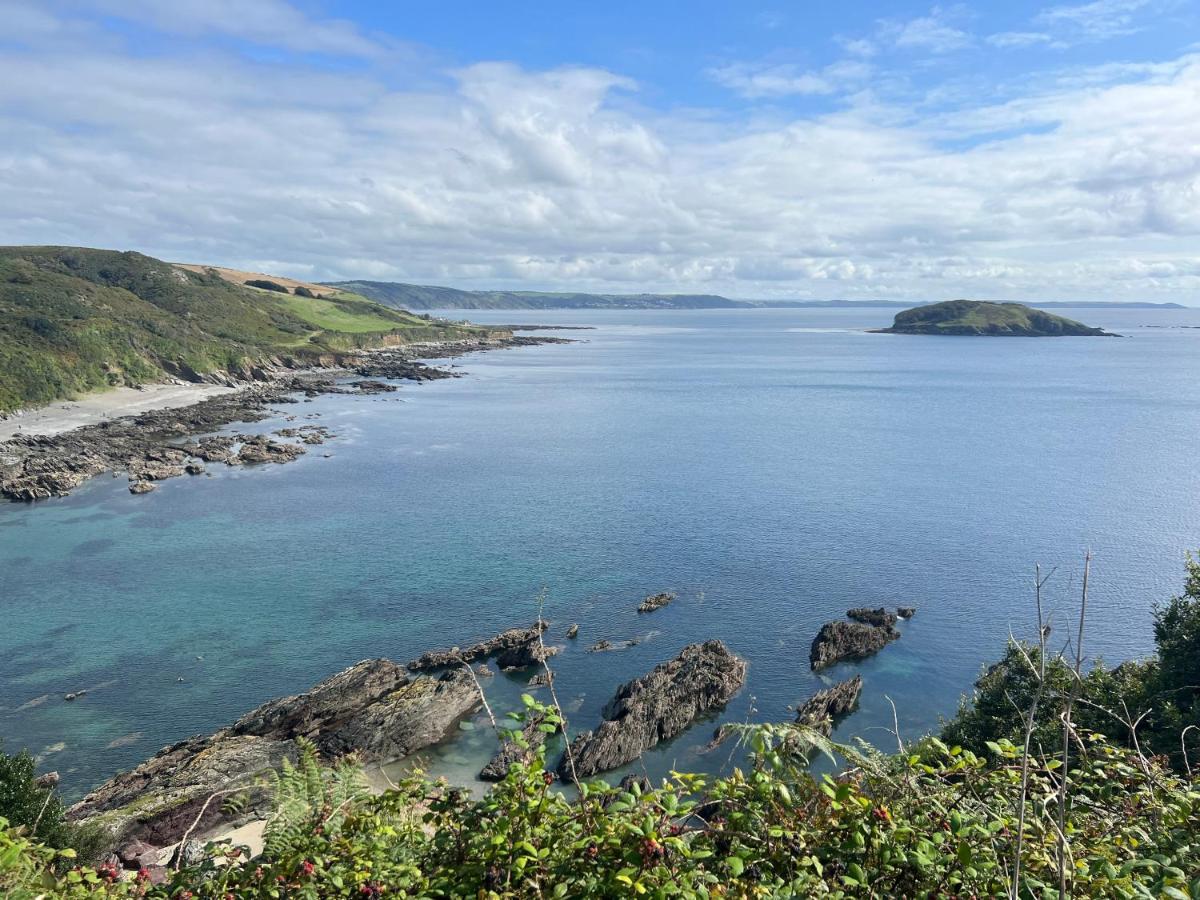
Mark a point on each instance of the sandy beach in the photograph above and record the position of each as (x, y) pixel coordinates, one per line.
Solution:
(67, 415)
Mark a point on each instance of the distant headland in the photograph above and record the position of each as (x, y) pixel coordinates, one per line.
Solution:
(982, 318)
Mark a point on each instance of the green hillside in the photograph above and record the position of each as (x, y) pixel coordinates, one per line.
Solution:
(974, 317)
(74, 320)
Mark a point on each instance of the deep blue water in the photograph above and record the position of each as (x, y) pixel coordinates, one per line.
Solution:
(772, 467)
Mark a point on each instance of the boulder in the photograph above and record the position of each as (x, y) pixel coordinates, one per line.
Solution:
(142, 487)
(878, 616)
(573, 631)
(822, 710)
(848, 640)
(906, 612)
(657, 707)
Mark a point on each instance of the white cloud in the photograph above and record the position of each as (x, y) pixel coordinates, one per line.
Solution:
(271, 22)
(785, 79)
(935, 32)
(1099, 20)
(1087, 185)
(1006, 39)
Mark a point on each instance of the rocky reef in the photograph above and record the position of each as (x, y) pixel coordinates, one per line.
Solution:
(374, 708)
(656, 707)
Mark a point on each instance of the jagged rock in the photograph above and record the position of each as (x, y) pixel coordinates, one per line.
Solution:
(541, 679)
(48, 780)
(194, 469)
(513, 644)
(906, 612)
(142, 487)
(74, 695)
(600, 646)
(522, 656)
(879, 616)
(657, 706)
(511, 752)
(848, 640)
(655, 601)
(822, 710)
(485, 670)
(367, 386)
(374, 708)
(573, 631)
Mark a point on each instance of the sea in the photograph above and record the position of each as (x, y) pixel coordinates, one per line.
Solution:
(771, 468)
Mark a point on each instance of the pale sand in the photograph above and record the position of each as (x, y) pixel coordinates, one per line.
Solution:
(67, 415)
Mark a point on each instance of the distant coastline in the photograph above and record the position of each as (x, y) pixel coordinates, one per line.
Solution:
(401, 295)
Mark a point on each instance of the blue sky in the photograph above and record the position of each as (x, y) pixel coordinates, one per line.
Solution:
(1031, 150)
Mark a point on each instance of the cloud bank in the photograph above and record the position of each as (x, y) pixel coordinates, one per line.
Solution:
(347, 156)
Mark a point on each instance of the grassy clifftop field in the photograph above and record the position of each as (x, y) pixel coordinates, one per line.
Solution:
(74, 320)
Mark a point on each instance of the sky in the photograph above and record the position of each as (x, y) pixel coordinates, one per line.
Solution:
(854, 150)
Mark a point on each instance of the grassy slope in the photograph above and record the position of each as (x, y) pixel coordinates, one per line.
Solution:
(972, 317)
(74, 320)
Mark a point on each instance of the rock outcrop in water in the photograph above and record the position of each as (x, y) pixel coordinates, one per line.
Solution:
(654, 602)
(514, 648)
(373, 708)
(878, 616)
(822, 710)
(848, 640)
(657, 707)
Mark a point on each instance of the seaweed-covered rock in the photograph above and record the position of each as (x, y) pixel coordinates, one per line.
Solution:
(906, 612)
(656, 707)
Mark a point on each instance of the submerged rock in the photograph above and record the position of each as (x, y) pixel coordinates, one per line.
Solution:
(822, 710)
(848, 640)
(656, 707)
(373, 708)
(878, 616)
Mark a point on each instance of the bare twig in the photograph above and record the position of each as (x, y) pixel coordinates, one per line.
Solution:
(895, 724)
(1076, 687)
(1030, 724)
(196, 821)
(1183, 747)
(483, 697)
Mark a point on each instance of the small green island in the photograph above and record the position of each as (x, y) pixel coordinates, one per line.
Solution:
(987, 319)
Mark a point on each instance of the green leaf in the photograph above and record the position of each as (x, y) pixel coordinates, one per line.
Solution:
(736, 866)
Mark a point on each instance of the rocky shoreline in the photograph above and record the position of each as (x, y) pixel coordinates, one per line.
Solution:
(162, 444)
(381, 712)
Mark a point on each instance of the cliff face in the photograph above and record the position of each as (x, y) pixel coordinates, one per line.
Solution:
(973, 317)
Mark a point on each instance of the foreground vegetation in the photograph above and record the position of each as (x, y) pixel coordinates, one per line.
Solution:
(1024, 798)
(74, 320)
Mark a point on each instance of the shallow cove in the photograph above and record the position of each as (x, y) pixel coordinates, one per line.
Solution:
(771, 467)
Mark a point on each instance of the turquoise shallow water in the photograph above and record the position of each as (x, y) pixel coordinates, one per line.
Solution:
(772, 467)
